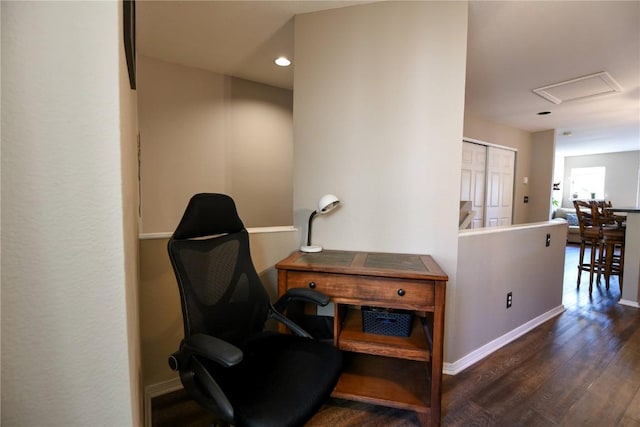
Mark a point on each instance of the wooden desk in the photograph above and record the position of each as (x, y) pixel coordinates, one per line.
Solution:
(399, 372)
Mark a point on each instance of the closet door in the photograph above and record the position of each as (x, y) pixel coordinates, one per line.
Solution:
(473, 179)
(500, 174)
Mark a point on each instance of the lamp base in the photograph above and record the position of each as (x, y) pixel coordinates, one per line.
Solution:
(311, 249)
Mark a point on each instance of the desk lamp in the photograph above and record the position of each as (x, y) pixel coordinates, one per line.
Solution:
(326, 204)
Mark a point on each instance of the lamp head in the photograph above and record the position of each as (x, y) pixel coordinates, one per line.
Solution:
(327, 203)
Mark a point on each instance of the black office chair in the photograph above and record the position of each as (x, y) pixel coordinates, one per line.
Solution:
(228, 363)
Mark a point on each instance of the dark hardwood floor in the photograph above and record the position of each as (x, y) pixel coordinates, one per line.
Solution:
(581, 368)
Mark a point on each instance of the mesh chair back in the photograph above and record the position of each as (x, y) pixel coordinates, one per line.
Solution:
(220, 291)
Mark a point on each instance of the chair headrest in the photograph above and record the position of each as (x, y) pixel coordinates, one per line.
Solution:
(208, 214)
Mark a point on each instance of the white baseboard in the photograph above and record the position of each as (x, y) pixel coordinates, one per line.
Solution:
(629, 303)
(155, 390)
(482, 352)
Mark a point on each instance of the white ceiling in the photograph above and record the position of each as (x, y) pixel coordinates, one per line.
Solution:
(513, 48)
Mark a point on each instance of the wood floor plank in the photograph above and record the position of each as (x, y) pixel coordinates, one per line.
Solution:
(461, 416)
(523, 382)
(493, 369)
(633, 410)
(568, 378)
(610, 396)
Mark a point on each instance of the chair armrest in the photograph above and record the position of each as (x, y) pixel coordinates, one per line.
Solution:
(207, 392)
(295, 328)
(298, 294)
(195, 378)
(208, 347)
(301, 294)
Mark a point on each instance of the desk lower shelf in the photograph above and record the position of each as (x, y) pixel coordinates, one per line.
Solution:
(386, 381)
(352, 338)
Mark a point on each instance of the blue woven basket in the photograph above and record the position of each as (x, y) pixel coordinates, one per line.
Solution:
(386, 322)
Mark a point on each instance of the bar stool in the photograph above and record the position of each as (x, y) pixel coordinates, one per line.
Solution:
(614, 262)
(613, 234)
(590, 235)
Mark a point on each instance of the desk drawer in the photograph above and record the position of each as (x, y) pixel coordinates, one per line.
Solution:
(351, 289)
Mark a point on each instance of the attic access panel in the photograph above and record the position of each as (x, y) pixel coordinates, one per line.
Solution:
(582, 87)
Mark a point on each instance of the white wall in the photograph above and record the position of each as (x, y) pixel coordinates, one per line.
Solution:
(533, 273)
(205, 132)
(621, 176)
(543, 148)
(130, 206)
(378, 119)
(65, 354)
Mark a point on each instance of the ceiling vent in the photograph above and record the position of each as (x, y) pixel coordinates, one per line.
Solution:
(583, 87)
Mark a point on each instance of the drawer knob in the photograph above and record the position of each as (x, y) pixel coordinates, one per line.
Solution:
(312, 285)
(401, 292)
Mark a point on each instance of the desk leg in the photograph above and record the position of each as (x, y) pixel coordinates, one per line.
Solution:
(437, 356)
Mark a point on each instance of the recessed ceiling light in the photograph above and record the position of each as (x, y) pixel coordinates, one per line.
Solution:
(281, 61)
(542, 113)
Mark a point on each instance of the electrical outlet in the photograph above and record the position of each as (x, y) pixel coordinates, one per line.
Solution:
(509, 299)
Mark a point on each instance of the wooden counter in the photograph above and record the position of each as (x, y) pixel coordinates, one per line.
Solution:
(631, 289)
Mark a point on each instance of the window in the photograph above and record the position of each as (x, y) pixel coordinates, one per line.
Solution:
(587, 183)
